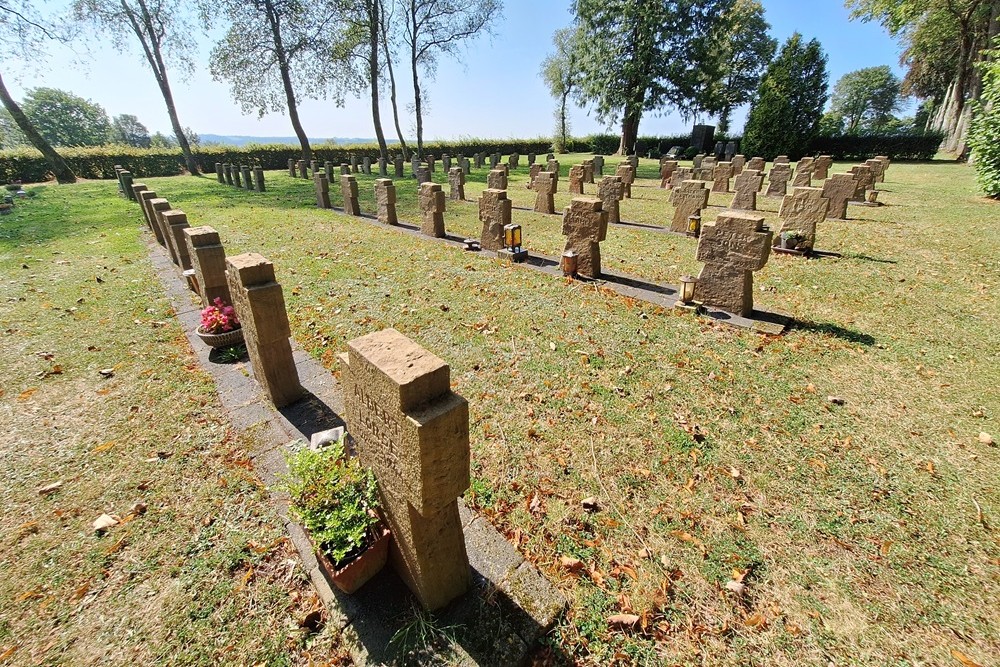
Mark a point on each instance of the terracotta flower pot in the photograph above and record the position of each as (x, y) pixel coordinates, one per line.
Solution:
(356, 573)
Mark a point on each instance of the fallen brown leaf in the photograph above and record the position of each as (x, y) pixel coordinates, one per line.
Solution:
(964, 659)
(755, 620)
(623, 620)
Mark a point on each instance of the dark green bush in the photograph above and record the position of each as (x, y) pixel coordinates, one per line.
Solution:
(902, 147)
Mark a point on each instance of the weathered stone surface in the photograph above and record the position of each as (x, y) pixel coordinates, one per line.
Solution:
(553, 166)
(884, 159)
(513, 160)
(423, 174)
(494, 213)
(531, 159)
(680, 175)
(496, 179)
(227, 173)
(258, 179)
(688, 199)
(533, 171)
(158, 205)
(626, 172)
(322, 186)
(260, 306)
(431, 163)
(777, 185)
(413, 431)
(126, 179)
(354, 164)
(383, 170)
(303, 169)
(219, 175)
(732, 247)
(345, 169)
(174, 224)
(739, 164)
(588, 171)
(821, 167)
(366, 165)
(397, 165)
(477, 159)
(803, 173)
(756, 163)
(576, 179)
(291, 167)
(800, 212)
(599, 164)
(781, 159)
(456, 183)
(544, 185)
(237, 180)
(208, 259)
(385, 199)
(585, 225)
(349, 191)
(313, 167)
(748, 184)
(432, 206)
(878, 170)
(865, 181)
(720, 178)
(611, 190)
(667, 169)
(839, 189)
(446, 162)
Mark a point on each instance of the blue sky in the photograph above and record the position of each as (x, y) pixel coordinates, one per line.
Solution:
(493, 90)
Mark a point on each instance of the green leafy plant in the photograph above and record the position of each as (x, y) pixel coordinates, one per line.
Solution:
(335, 498)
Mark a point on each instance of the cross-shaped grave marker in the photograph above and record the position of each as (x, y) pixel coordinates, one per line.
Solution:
(732, 247)
(688, 199)
(413, 432)
(585, 225)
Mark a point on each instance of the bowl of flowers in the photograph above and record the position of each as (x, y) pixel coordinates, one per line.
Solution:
(219, 325)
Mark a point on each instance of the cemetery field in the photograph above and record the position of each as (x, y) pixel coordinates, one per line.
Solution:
(825, 496)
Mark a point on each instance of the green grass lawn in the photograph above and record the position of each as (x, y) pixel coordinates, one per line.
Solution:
(862, 533)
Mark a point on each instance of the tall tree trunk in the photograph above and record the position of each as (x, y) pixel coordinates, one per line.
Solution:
(286, 80)
(373, 30)
(59, 167)
(417, 111)
(563, 130)
(630, 132)
(155, 58)
(383, 29)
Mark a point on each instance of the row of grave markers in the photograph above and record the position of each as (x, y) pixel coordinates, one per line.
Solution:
(725, 282)
(409, 427)
(240, 176)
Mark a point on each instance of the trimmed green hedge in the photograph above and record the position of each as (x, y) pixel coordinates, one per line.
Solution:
(902, 147)
(27, 165)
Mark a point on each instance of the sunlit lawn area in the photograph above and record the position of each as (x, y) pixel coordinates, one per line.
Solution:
(744, 516)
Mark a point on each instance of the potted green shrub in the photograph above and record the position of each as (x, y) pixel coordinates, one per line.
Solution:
(336, 500)
(791, 240)
(219, 325)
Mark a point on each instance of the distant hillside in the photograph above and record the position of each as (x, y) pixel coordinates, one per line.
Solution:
(238, 140)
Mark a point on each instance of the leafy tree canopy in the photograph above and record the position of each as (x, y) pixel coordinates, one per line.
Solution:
(65, 119)
(866, 98)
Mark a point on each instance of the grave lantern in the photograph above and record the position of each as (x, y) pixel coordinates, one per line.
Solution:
(568, 264)
(685, 297)
(512, 244)
(687, 289)
(694, 225)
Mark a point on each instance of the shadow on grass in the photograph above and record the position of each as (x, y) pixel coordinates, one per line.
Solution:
(830, 329)
(868, 258)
